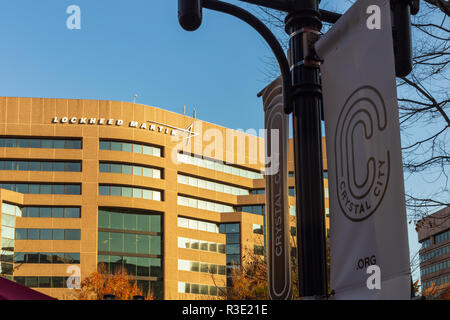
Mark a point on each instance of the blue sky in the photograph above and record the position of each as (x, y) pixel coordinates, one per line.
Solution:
(137, 47)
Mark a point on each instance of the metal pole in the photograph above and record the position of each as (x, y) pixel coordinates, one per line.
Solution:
(303, 25)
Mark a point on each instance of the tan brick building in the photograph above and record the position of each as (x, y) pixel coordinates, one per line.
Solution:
(168, 197)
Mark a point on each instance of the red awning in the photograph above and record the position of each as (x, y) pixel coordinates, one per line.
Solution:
(9, 290)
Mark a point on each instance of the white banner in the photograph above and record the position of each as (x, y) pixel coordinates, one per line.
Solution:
(369, 239)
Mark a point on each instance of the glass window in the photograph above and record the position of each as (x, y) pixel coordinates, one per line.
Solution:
(202, 226)
(130, 222)
(105, 145)
(8, 232)
(137, 193)
(143, 267)
(45, 257)
(156, 152)
(72, 258)
(204, 267)
(143, 244)
(194, 288)
(233, 238)
(105, 167)
(116, 146)
(103, 190)
(137, 148)
(19, 257)
(23, 188)
(44, 282)
(103, 241)
(58, 166)
(72, 234)
(8, 220)
(116, 243)
(233, 249)
(221, 248)
(33, 234)
(147, 194)
(155, 223)
(58, 234)
(31, 282)
(56, 212)
(155, 244)
(194, 266)
(127, 192)
(58, 282)
(156, 173)
(115, 191)
(34, 143)
(47, 166)
(232, 227)
(143, 222)
(59, 144)
(147, 150)
(127, 169)
(58, 189)
(72, 189)
(116, 168)
(183, 223)
(72, 166)
(137, 171)
(73, 144)
(45, 234)
(34, 166)
(130, 242)
(204, 245)
(127, 147)
(183, 243)
(156, 195)
(72, 212)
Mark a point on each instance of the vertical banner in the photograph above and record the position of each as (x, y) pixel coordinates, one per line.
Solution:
(277, 207)
(369, 240)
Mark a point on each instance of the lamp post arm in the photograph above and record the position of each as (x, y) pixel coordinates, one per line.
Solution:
(267, 35)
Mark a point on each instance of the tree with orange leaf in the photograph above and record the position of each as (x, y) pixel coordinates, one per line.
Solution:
(100, 283)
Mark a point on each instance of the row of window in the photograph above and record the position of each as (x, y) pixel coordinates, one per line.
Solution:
(48, 234)
(218, 166)
(31, 165)
(441, 237)
(51, 212)
(434, 253)
(256, 209)
(435, 267)
(196, 266)
(210, 185)
(47, 282)
(198, 225)
(137, 266)
(129, 243)
(184, 287)
(204, 205)
(258, 191)
(36, 188)
(109, 219)
(130, 169)
(436, 281)
(40, 143)
(131, 147)
(47, 258)
(187, 243)
(121, 191)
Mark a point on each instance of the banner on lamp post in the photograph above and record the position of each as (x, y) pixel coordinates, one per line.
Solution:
(277, 207)
(368, 228)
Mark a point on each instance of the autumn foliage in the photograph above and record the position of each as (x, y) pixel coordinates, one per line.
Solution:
(100, 283)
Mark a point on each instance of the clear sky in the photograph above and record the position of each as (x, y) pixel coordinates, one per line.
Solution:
(136, 47)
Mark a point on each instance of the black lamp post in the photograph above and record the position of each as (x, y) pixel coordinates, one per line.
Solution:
(302, 96)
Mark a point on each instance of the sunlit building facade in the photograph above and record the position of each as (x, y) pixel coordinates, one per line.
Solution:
(173, 200)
